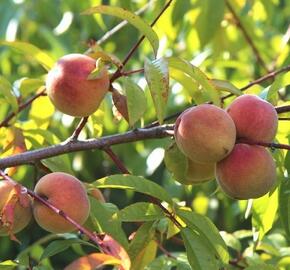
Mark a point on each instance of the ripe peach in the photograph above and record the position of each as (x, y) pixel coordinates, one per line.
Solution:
(248, 172)
(65, 192)
(69, 89)
(205, 133)
(255, 119)
(22, 208)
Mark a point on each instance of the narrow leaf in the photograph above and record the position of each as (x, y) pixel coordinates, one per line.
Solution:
(7, 93)
(226, 86)
(28, 49)
(207, 231)
(140, 211)
(207, 88)
(58, 246)
(284, 205)
(136, 183)
(157, 77)
(136, 100)
(200, 257)
(131, 18)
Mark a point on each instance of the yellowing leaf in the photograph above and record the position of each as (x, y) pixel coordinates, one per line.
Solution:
(28, 49)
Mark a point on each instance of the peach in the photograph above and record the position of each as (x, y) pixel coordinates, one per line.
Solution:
(205, 133)
(255, 119)
(248, 172)
(186, 171)
(70, 90)
(22, 212)
(65, 192)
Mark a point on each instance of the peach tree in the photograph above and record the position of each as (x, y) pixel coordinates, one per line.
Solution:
(144, 135)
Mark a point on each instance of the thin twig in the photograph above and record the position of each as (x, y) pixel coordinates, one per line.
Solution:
(79, 128)
(284, 118)
(270, 145)
(118, 72)
(116, 160)
(121, 24)
(5, 122)
(247, 36)
(30, 157)
(283, 109)
(165, 251)
(127, 73)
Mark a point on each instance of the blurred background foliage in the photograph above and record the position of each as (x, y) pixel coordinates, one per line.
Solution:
(203, 32)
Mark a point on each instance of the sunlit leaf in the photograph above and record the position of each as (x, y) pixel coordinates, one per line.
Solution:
(157, 77)
(26, 86)
(208, 90)
(8, 265)
(226, 86)
(132, 18)
(136, 183)
(264, 212)
(28, 49)
(284, 205)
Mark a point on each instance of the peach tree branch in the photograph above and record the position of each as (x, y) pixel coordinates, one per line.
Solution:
(68, 146)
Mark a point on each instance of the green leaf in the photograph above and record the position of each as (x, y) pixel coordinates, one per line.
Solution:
(142, 237)
(157, 77)
(101, 215)
(8, 265)
(136, 100)
(28, 49)
(58, 246)
(7, 93)
(27, 86)
(264, 212)
(209, 19)
(132, 18)
(284, 205)
(140, 211)
(207, 231)
(208, 90)
(223, 85)
(200, 257)
(135, 183)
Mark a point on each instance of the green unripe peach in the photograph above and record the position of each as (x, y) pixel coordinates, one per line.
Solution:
(69, 88)
(65, 192)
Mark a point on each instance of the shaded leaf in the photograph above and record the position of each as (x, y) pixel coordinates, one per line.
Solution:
(194, 72)
(140, 211)
(7, 93)
(207, 231)
(284, 205)
(200, 257)
(120, 103)
(132, 18)
(58, 246)
(157, 77)
(93, 261)
(261, 267)
(209, 19)
(28, 49)
(136, 183)
(136, 100)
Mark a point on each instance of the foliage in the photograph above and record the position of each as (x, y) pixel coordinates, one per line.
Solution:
(198, 51)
